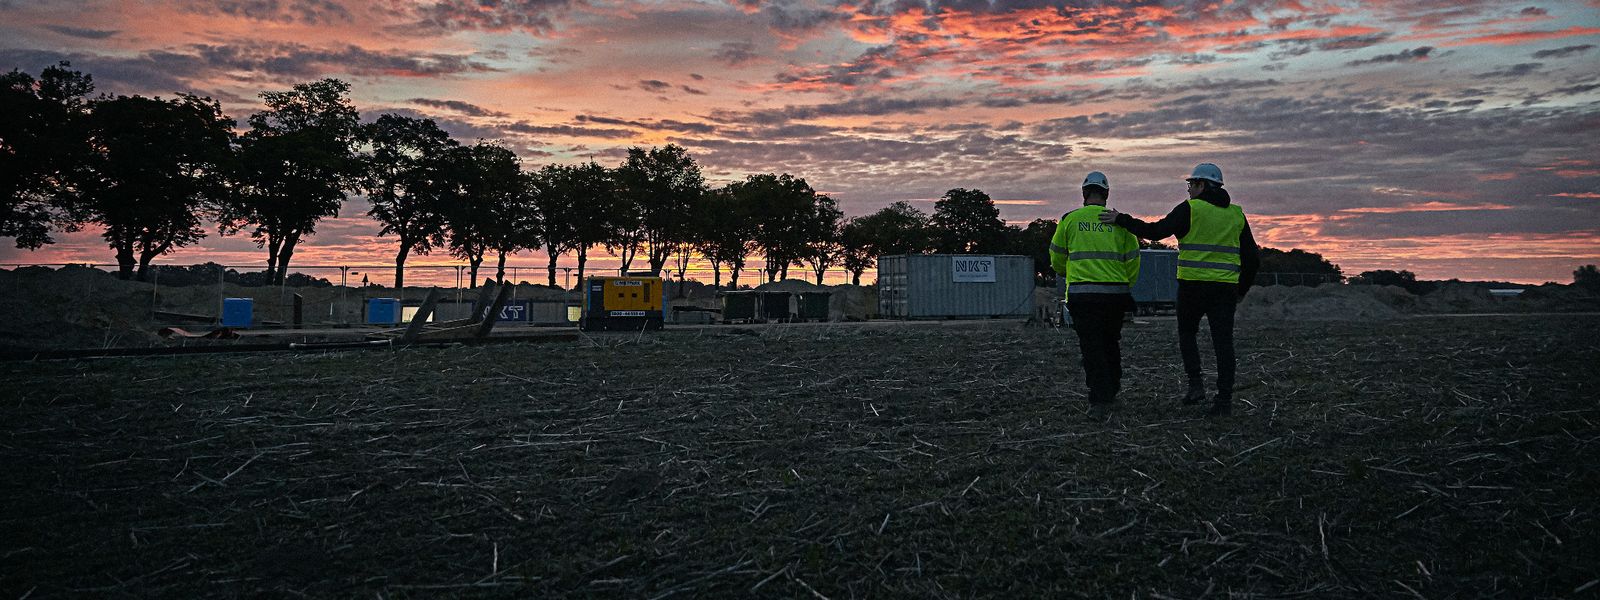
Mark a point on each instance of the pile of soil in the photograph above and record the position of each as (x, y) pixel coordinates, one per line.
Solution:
(1327, 303)
(1379, 302)
(845, 302)
(74, 307)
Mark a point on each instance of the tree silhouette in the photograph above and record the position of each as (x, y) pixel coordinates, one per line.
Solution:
(556, 212)
(1299, 261)
(661, 183)
(823, 248)
(486, 180)
(294, 166)
(1034, 241)
(725, 233)
(42, 146)
(897, 229)
(580, 209)
(783, 207)
(155, 165)
(855, 248)
(404, 179)
(967, 221)
(1587, 277)
(1403, 279)
(513, 223)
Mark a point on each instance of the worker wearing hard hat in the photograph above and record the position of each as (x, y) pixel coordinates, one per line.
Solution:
(1100, 262)
(1217, 262)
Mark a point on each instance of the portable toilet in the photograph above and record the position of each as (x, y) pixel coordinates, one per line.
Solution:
(238, 312)
(814, 306)
(738, 306)
(383, 311)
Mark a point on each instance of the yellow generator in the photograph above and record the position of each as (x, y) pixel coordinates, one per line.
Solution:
(621, 304)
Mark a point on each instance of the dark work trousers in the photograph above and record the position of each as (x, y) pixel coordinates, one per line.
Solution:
(1098, 320)
(1215, 301)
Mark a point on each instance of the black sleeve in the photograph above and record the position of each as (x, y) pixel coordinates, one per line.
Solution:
(1176, 224)
(1249, 259)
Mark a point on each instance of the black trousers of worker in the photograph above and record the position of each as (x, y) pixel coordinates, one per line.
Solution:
(1216, 302)
(1098, 320)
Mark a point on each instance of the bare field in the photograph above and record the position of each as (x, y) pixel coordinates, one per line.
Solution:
(1426, 457)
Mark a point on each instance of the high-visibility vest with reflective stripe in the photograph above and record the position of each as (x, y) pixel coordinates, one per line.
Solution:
(1210, 251)
(1094, 257)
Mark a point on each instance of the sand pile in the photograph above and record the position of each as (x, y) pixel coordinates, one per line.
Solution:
(845, 302)
(75, 307)
(1327, 303)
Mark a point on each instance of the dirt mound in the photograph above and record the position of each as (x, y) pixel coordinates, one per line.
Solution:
(1559, 298)
(845, 302)
(852, 303)
(1326, 303)
(74, 307)
(1457, 297)
(791, 285)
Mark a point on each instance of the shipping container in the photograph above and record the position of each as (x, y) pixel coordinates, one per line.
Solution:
(1157, 286)
(934, 286)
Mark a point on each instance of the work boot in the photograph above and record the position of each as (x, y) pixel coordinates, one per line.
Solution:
(1196, 393)
(1220, 407)
(1100, 412)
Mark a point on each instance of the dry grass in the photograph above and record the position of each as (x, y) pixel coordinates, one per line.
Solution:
(1432, 458)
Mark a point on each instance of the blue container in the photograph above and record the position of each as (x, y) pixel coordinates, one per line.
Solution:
(238, 312)
(1158, 278)
(383, 311)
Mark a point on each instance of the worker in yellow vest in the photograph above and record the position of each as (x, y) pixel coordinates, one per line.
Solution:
(1100, 262)
(1217, 262)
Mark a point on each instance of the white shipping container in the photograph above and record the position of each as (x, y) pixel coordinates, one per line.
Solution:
(933, 286)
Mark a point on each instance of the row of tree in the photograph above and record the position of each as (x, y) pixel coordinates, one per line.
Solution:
(150, 171)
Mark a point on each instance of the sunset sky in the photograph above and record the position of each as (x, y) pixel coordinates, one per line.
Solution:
(1452, 138)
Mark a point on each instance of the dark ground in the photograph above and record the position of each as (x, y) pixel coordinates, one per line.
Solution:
(1425, 457)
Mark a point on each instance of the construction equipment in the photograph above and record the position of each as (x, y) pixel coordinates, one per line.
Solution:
(625, 303)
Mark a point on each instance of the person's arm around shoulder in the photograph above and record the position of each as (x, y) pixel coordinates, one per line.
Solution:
(1176, 223)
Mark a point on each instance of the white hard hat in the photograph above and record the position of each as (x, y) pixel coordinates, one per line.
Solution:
(1206, 171)
(1097, 178)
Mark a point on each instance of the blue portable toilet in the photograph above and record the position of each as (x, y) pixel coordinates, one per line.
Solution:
(238, 312)
(383, 311)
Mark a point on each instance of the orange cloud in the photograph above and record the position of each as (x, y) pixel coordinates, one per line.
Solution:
(1523, 37)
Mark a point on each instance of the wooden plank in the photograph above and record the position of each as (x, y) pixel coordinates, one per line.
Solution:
(451, 333)
(420, 319)
(493, 315)
(478, 306)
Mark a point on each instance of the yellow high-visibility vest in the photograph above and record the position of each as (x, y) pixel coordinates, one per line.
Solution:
(1094, 257)
(1210, 251)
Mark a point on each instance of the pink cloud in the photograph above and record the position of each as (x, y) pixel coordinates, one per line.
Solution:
(1523, 37)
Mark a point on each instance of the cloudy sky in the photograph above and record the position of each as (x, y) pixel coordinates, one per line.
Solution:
(1453, 138)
